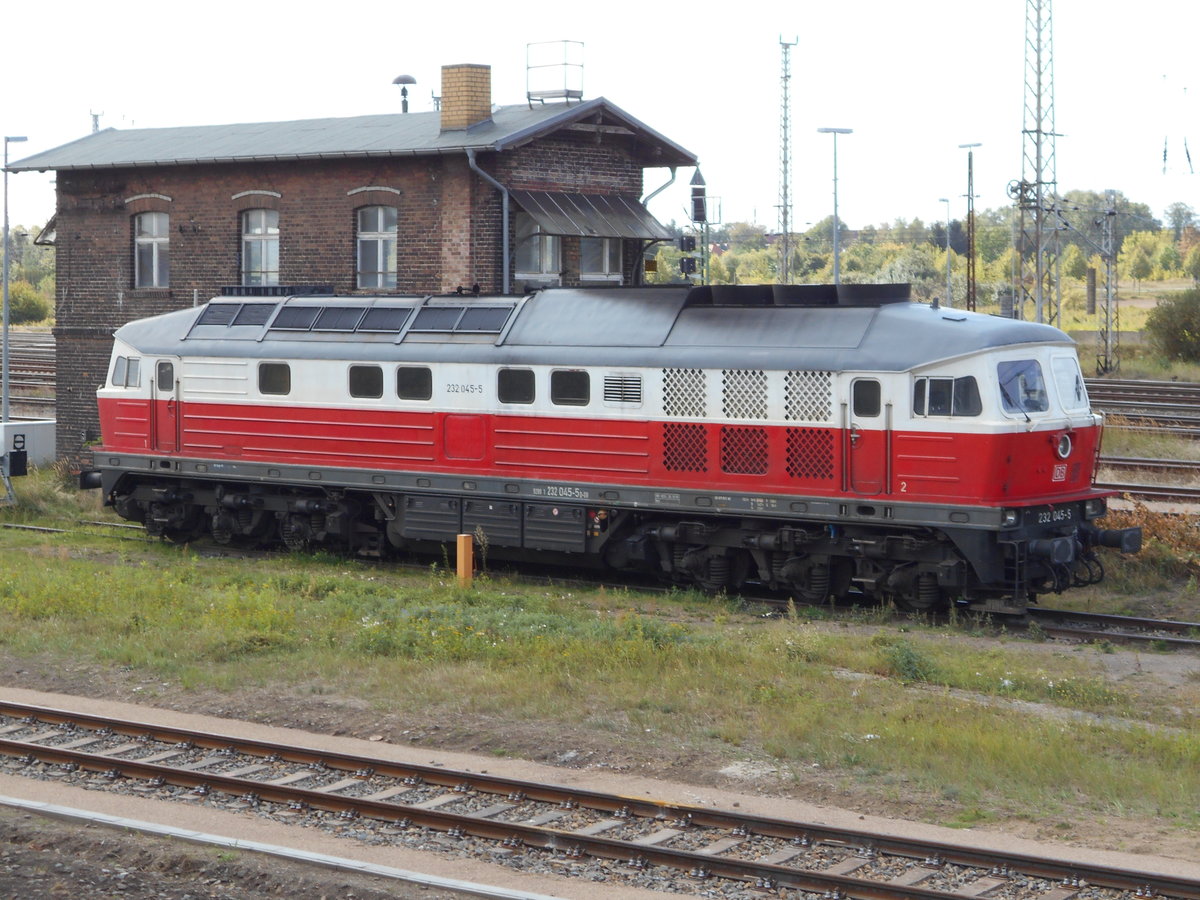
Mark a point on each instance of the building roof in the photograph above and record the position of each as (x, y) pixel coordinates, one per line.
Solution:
(391, 135)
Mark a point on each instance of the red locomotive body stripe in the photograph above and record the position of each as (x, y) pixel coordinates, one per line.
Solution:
(990, 469)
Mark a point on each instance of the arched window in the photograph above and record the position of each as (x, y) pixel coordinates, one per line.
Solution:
(377, 226)
(260, 247)
(151, 250)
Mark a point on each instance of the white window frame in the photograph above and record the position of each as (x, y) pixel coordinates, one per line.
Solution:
(610, 249)
(152, 239)
(377, 238)
(544, 251)
(260, 247)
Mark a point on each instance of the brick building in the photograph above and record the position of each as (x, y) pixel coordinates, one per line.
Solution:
(151, 220)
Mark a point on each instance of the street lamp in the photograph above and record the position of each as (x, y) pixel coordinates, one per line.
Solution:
(949, 296)
(970, 148)
(837, 278)
(404, 81)
(8, 139)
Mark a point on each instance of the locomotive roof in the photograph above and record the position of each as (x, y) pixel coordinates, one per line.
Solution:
(859, 327)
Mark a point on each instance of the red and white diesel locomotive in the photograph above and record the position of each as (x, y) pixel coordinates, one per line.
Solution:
(823, 440)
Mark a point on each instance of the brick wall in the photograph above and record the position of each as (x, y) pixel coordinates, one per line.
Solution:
(449, 235)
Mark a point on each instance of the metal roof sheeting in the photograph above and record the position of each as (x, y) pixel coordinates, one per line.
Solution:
(590, 215)
(397, 134)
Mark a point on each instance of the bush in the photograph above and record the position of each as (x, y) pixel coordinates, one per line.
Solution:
(1173, 326)
(25, 304)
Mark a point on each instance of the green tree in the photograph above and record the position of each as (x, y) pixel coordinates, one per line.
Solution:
(25, 304)
(745, 236)
(1173, 326)
(1191, 263)
(1180, 216)
(1074, 263)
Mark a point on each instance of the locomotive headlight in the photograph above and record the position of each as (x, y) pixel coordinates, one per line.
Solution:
(1094, 508)
(1063, 446)
(1008, 518)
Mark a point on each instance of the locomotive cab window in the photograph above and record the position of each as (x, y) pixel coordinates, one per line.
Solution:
(1069, 382)
(1022, 387)
(514, 386)
(867, 398)
(366, 382)
(946, 397)
(414, 383)
(274, 378)
(570, 387)
(127, 372)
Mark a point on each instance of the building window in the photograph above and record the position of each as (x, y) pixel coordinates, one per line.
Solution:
(260, 247)
(151, 250)
(537, 254)
(377, 247)
(600, 259)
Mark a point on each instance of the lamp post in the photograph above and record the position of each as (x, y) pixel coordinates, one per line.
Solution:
(970, 148)
(837, 277)
(8, 139)
(949, 296)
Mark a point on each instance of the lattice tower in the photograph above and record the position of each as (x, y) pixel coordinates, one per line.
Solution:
(785, 164)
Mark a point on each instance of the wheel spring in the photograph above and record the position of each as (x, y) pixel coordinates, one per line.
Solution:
(928, 593)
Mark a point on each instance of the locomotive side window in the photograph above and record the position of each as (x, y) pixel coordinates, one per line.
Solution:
(366, 382)
(570, 387)
(126, 372)
(514, 386)
(946, 397)
(1069, 381)
(866, 397)
(414, 383)
(274, 378)
(1022, 387)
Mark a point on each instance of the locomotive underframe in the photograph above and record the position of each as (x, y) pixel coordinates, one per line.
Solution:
(919, 556)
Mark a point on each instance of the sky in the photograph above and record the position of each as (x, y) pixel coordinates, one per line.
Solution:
(913, 80)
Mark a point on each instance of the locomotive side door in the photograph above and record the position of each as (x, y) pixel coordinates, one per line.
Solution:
(867, 437)
(164, 406)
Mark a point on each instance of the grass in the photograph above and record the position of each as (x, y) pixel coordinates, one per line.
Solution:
(870, 705)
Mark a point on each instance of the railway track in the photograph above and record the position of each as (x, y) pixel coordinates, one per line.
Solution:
(667, 846)
(1087, 627)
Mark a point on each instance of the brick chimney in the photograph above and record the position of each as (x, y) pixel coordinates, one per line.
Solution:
(466, 96)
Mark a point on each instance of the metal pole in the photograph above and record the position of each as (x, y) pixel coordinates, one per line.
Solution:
(949, 295)
(971, 279)
(837, 276)
(8, 139)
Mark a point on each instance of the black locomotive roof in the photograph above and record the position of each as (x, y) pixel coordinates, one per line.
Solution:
(859, 327)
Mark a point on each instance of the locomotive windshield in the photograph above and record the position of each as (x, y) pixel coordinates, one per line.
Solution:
(1022, 387)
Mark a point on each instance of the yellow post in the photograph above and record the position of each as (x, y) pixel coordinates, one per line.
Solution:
(466, 560)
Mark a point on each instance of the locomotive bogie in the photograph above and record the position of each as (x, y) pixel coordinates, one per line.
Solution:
(875, 447)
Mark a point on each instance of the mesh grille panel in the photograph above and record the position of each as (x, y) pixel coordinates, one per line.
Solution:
(683, 392)
(684, 448)
(744, 394)
(810, 453)
(808, 396)
(744, 450)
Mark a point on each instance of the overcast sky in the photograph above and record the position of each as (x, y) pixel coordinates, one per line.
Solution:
(914, 80)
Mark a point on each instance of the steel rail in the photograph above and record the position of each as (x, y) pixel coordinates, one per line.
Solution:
(553, 839)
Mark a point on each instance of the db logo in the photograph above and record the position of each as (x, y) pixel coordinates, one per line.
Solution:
(1060, 473)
